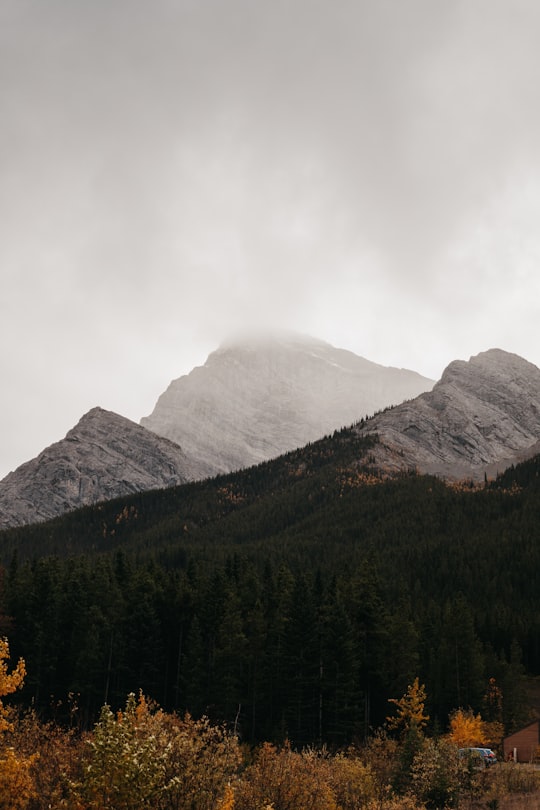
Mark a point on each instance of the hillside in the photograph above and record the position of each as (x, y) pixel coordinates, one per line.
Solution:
(227, 596)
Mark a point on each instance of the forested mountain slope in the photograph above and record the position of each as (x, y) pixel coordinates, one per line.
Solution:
(293, 598)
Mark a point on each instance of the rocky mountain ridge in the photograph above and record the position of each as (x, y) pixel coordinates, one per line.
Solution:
(482, 416)
(104, 456)
(251, 401)
(254, 401)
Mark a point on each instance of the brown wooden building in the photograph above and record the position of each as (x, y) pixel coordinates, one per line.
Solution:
(523, 743)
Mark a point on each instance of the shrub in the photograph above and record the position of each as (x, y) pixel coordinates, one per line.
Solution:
(16, 783)
(436, 774)
(53, 754)
(144, 757)
(352, 781)
(282, 779)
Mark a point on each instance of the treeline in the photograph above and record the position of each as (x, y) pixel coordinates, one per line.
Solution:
(278, 652)
(290, 600)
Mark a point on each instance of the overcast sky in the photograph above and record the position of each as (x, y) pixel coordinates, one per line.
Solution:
(364, 171)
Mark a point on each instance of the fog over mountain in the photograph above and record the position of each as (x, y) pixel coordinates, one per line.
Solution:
(365, 170)
(255, 399)
(251, 401)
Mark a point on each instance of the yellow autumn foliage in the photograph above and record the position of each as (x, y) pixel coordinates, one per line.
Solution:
(227, 802)
(410, 709)
(16, 782)
(467, 729)
(9, 682)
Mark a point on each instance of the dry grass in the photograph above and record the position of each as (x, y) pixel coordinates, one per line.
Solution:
(514, 801)
(508, 787)
(530, 802)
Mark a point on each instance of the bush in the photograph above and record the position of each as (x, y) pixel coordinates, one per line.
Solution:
(16, 784)
(144, 757)
(282, 779)
(437, 774)
(352, 782)
(54, 756)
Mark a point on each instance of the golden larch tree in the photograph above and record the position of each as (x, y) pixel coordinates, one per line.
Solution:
(410, 709)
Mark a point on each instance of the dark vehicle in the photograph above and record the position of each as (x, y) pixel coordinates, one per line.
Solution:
(480, 757)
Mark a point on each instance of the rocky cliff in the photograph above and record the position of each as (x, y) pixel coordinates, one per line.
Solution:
(104, 456)
(254, 400)
(482, 416)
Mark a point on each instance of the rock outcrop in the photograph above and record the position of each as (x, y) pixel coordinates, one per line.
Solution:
(482, 416)
(104, 456)
(253, 400)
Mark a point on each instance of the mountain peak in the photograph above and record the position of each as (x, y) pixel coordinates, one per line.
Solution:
(482, 415)
(261, 395)
(104, 456)
(490, 362)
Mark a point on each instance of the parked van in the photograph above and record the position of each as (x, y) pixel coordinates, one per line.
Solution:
(481, 757)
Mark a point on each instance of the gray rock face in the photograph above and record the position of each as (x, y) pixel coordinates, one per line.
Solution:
(104, 456)
(252, 401)
(482, 416)
(248, 403)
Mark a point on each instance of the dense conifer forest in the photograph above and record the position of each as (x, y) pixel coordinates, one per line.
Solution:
(290, 600)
